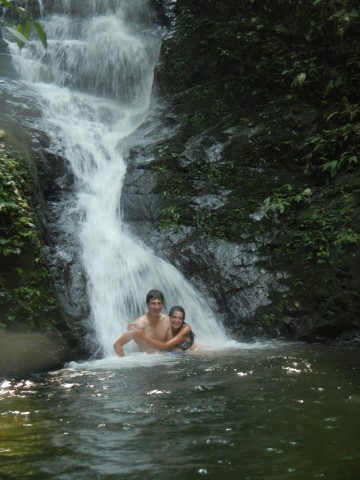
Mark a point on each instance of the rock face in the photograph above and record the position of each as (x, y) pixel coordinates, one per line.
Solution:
(39, 327)
(239, 195)
(182, 228)
(24, 353)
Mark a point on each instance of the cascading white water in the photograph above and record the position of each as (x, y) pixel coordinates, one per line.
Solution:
(94, 88)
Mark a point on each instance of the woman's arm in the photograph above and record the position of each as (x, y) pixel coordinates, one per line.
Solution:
(173, 342)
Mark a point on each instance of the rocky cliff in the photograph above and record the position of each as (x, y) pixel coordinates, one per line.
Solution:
(253, 190)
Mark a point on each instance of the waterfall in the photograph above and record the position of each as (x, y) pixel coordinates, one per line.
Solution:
(94, 85)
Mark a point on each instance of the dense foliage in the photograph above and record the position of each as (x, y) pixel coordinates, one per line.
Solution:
(284, 75)
(27, 300)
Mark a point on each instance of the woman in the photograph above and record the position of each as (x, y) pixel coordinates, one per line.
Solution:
(182, 335)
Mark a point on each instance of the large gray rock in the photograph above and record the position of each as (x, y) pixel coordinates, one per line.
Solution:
(23, 353)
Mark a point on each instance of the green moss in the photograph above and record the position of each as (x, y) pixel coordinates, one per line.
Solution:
(170, 218)
(17, 227)
(27, 299)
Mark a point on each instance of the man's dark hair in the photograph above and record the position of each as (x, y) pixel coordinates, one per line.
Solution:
(155, 295)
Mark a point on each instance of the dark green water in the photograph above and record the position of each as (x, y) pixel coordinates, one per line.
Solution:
(285, 411)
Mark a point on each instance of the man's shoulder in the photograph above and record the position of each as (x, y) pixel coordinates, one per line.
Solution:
(164, 322)
(141, 321)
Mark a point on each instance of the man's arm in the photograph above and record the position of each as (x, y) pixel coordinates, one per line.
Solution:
(163, 345)
(118, 345)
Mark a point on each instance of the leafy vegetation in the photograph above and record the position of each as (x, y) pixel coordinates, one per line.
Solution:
(170, 217)
(309, 50)
(27, 301)
(16, 226)
(22, 21)
(276, 83)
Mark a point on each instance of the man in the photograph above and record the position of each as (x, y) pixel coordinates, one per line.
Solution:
(154, 324)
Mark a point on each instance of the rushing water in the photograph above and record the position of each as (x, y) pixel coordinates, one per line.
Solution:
(277, 411)
(93, 87)
(233, 411)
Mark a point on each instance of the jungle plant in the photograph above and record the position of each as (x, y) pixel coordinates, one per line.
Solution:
(24, 23)
(163, 169)
(170, 218)
(323, 234)
(335, 150)
(210, 224)
(16, 222)
(284, 197)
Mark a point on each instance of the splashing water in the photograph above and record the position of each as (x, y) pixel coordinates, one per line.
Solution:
(94, 87)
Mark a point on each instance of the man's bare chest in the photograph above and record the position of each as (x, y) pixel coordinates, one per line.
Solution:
(157, 331)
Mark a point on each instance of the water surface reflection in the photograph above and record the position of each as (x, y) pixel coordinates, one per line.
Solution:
(273, 411)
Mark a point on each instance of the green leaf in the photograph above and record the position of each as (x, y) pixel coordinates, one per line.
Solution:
(4, 241)
(330, 116)
(20, 10)
(21, 40)
(299, 80)
(353, 159)
(6, 3)
(41, 34)
(23, 28)
(332, 166)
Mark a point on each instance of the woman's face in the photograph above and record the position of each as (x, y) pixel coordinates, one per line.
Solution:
(176, 319)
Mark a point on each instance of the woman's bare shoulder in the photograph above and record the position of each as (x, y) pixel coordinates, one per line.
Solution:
(185, 328)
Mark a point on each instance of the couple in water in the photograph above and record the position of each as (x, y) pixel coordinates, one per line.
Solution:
(155, 331)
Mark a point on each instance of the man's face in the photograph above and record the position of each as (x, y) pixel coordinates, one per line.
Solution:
(155, 305)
